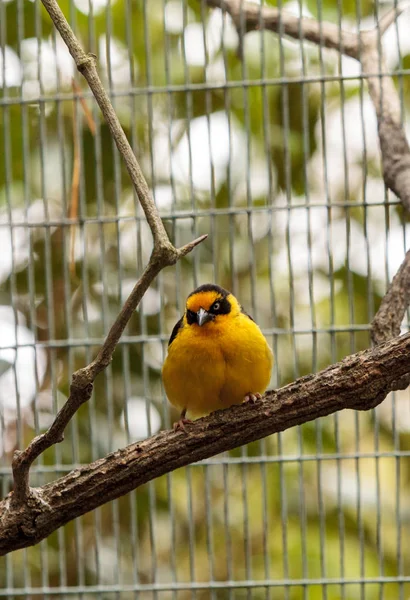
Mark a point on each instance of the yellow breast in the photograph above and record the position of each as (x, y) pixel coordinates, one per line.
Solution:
(209, 368)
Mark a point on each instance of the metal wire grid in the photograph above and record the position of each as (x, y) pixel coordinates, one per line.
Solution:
(240, 491)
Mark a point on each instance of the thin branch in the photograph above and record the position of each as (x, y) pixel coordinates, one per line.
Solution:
(86, 65)
(386, 324)
(75, 186)
(87, 112)
(75, 180)
(164, 254)
(361, 381)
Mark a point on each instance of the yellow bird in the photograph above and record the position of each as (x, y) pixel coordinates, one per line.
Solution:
(217, 355)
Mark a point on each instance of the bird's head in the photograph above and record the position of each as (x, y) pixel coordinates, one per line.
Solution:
(210, 304)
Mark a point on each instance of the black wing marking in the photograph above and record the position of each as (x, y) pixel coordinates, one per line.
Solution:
(245, 313)
(174, 333)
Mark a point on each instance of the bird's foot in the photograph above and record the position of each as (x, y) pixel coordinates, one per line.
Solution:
(180, 425)
(252, 398)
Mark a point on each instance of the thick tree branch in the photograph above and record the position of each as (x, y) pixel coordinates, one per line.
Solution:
(360, 382)
(164, 254)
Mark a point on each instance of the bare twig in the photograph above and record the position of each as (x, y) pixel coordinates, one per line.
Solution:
(386, 324)
(75, 184)
(86, 65)
(87, 112)
(164, 254)
(75, 180)
(359, 382)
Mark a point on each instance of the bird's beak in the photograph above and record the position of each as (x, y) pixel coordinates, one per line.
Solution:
(203, 316)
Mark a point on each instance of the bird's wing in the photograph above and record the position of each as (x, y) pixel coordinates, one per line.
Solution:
(174, 333)
(246, 314)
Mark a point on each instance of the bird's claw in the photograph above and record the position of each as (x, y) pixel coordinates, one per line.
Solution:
(252, 398)
(180, 425)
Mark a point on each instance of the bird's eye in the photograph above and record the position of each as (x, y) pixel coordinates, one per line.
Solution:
(216, 306)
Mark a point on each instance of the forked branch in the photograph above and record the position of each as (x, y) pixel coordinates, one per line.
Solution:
(164, 254)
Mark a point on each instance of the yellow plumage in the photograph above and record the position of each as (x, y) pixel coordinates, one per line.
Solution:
(217, 355)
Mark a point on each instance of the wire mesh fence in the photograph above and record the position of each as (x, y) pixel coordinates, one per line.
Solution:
(270, 146)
